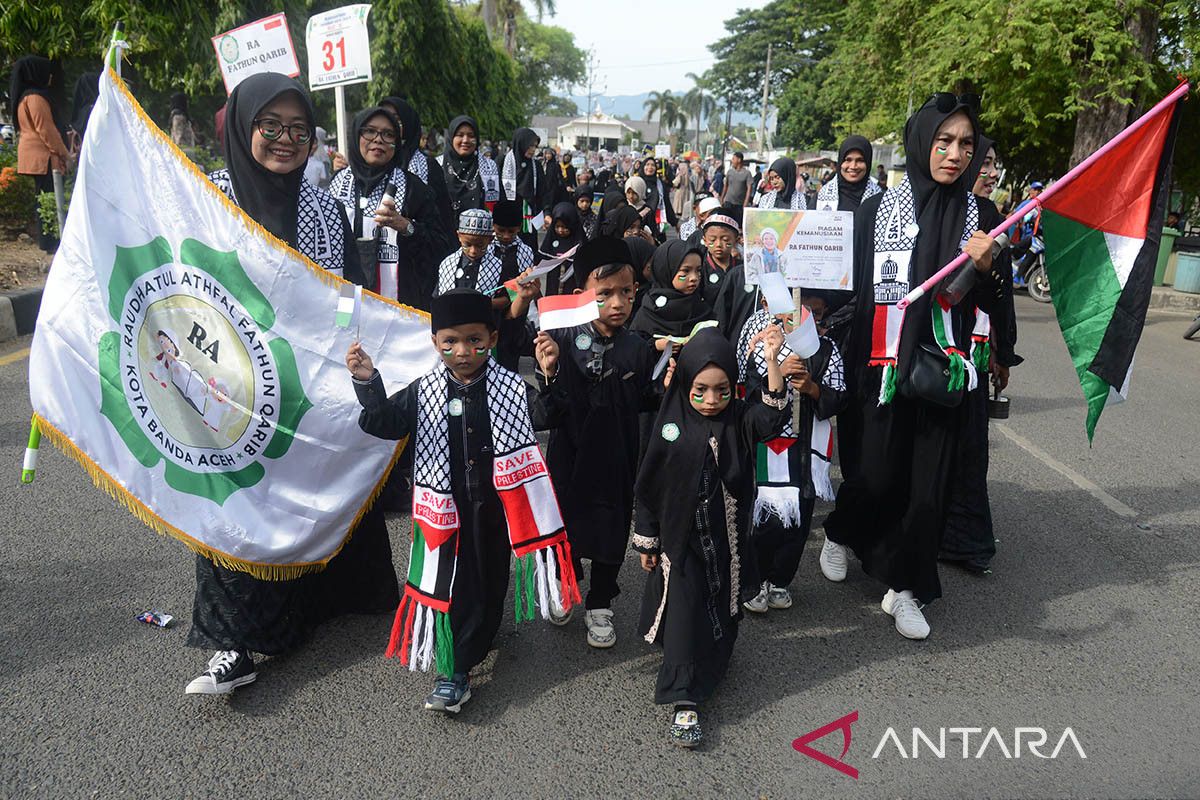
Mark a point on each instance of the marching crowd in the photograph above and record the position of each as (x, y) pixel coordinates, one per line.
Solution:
(680, 422)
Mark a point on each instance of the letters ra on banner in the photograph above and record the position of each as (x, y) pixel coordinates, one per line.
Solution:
(261, 46)
(811, 249)
(339, 47)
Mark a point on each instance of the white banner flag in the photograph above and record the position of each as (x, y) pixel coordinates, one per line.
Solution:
(193, 363)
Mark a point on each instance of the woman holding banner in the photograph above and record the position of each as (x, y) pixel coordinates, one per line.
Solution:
(269, 128)
(893, 511)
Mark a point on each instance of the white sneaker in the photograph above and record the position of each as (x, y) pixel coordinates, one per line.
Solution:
(600, 630)
(778, 597)
(910, 622)
(758, 603)
(558, 616)
(833, 561)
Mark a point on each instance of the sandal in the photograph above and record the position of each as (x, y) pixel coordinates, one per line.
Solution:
(685, 727)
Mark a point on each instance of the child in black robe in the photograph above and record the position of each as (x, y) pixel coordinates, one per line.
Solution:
(792, 469)
(694, 492)
(471, 433)
(598, 378)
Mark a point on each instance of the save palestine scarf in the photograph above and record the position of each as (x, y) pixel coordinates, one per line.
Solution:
(421, 633)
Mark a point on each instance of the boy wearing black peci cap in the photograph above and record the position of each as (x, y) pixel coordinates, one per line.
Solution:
(477, 471)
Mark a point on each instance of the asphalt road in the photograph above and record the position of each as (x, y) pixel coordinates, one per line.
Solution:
(1087, 622)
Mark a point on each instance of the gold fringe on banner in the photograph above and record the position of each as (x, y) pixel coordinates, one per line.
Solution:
(268, 572)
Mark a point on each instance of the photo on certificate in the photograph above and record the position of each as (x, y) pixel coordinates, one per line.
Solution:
(812, 249)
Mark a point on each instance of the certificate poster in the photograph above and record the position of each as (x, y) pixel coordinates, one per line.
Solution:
(811, 249)
(264, 45)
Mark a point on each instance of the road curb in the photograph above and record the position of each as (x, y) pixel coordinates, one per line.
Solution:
(1167, 298)
(19, 312)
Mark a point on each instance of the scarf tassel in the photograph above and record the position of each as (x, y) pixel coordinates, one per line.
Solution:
(887, 384)
(958, 371)
(545, 579)
(421, 636)
(982, 355)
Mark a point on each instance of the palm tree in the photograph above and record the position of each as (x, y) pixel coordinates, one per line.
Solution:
(657, 103)
(698, 104)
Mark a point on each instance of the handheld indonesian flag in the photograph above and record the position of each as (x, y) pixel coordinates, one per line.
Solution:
(1102, 232)
(195, 376)
(567, 310)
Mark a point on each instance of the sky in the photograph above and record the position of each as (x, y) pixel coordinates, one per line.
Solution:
(630, 62)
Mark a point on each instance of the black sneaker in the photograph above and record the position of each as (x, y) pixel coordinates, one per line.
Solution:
(449, 696)
(685, 727)
(227, 670)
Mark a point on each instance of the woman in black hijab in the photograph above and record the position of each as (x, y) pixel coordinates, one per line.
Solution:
(853, 183)
(33, 106)
(472, 179)
(700, 452)
(892, 512)
(781, 180)
(268, 130)
(409, 156)
(656, 198)
(400, 243)
(524, 180)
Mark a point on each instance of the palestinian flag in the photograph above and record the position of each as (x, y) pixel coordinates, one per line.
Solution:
(1101, 234)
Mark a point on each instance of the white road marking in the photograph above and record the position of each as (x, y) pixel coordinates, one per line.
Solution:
(1111, 503)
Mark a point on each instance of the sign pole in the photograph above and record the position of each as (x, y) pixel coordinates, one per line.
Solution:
(339, 99)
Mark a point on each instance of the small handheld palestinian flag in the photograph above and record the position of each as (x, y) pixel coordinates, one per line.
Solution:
(348, 302)
(567, 310)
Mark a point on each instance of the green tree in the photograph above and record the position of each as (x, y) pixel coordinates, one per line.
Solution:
(664, 106)
(547, 57)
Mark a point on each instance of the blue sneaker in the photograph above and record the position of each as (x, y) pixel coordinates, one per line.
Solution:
(449, 696)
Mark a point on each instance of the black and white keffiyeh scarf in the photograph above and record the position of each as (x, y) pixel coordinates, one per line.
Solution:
(545, 578)
(828, 196)
(318, 222)
(487, 278)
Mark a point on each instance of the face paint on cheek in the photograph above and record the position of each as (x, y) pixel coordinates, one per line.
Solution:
(725, 396)
(447, 352)
(697, 399)
(941, 151)
(480, 350)
(600, 303)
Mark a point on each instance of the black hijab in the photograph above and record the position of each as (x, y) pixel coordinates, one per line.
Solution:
(523, 139)
(462, 172)
(652, 195)
(270, 199)
(367, 177)
(410, 125)
(666, 310)
(669, 479)
(785, 168)
(621, 220)
(982, 145)
(179, 102)
(850, 194)
(941, 212)
(555, 245)
(87, 92)
(32, 75)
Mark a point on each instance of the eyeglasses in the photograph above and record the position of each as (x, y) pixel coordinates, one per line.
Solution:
(945, 102)
(372, 134)
(272, 130)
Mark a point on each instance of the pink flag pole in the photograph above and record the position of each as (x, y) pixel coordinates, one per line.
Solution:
(1049, 192)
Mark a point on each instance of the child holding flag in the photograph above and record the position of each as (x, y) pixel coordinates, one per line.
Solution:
(598, 377)
(477, 471)
(793, 468)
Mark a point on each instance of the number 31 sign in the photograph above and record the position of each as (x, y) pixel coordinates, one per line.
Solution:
(339, 52)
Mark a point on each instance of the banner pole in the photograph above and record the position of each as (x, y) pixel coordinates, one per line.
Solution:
(29, 467)
(339, 99)
(116, 46)
(1049, 192)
